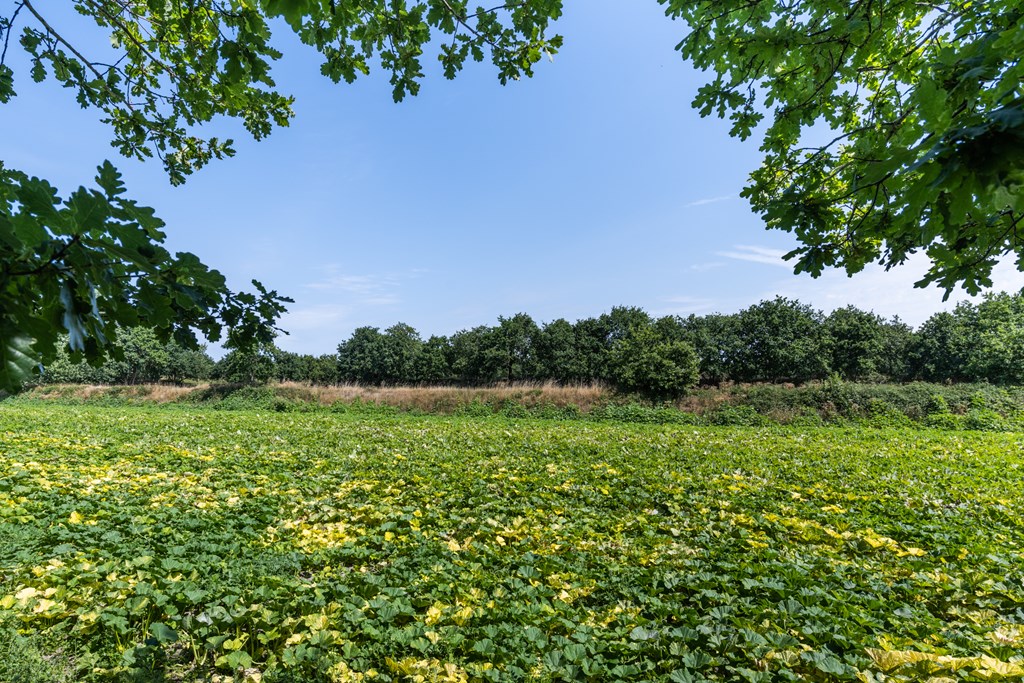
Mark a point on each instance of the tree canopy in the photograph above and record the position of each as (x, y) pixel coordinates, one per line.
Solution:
(889, 127)
(94, 260)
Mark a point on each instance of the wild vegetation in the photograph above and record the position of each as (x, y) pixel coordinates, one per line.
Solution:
(977, 407)
(921, 107)
(779, 340)
(190, 545)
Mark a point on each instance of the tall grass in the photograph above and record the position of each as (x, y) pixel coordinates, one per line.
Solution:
(427, 399)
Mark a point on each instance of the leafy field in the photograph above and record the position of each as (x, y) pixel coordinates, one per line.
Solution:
(176, 545)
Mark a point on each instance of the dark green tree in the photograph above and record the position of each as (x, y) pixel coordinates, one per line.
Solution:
(716, 340)
(780, 340)
(942, 345)
(516, 341)
(997, 341)
(323, 370)
(289, 366)
(855, 341)
(895, 361)
(185, 363)
(646, 363)
(475, 356)
(402, 346)
(557, 353)
(250, 365)
(360, 357)
(432, 364)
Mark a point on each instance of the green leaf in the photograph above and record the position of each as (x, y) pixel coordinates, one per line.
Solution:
(162, 632)
(6, 84)
(239, 659)
(18, 360)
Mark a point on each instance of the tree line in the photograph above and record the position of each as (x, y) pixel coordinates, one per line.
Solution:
(776, 341)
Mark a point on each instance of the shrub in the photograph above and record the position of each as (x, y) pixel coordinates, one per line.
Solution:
(641, 414)
(477, 408)
(947, 421)
(985, 420)
(884, 415)
(738, 416)
(647, 364)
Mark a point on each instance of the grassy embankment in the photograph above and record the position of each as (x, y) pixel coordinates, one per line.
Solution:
(957, 406)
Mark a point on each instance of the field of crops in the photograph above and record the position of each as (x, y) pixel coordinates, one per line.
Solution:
(181, 545)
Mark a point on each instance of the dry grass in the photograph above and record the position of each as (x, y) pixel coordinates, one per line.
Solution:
(447, 399)
(428, 399)
(148, 393)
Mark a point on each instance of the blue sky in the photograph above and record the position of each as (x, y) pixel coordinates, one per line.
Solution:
(592, 185)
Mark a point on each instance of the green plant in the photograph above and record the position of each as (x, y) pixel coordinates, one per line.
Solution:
(646, 363)
(740, 416)
(187, 545)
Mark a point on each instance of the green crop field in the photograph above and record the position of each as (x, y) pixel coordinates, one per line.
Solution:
(177, 545)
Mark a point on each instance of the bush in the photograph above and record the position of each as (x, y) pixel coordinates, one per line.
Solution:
(737, 416)
(947, 421)
(985, 420)
(658, 369)
(641, 414)
(550, 411)
(807, 419)
(884, 415)
(513, 409)
(477, 408)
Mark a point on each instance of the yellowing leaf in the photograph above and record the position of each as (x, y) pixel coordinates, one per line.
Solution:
(43, 605)
(26, 594)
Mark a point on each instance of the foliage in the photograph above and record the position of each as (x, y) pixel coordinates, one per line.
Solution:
(774, 341)
(90, 263)
(250, 365)
(779, 340)
(186, 545)
(516, 340)
(716, 340)
(372, 357)
(855, 342)
(646, 363)
(95, 261)
(889, 129)
(23, 660)
(138, 357)
(997, 340)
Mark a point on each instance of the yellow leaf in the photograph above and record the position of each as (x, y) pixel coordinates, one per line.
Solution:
(75, 517)
(25, 594)
(43, 605)
(887, 660)
(434, 613)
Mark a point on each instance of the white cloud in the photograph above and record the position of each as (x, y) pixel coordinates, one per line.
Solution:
(744, 252)
(887, 293)
(356, 284)
(708, 200)
(315, 328)
(704, 267)
(314, 317)
(685, 305)
(374, 289)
